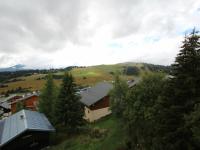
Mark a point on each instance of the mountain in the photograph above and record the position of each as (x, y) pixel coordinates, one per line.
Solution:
(17, 67)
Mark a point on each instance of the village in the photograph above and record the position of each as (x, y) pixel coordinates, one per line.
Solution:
(99, 75)
(17, 126)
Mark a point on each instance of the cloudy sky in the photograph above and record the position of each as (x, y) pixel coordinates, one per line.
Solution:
(59, 33)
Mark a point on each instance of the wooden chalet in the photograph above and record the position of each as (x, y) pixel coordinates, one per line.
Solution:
(25, 130)
(29, 101)
(5, 107)
(96, 101)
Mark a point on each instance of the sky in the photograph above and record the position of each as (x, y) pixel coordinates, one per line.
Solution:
(61, 33)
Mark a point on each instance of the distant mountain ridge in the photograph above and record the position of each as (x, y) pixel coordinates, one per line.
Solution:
(17, 67)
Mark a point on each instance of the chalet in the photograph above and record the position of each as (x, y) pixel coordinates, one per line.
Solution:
(5, 109)
(25, 130)
(96, 101)
(10, 98)
(29, 101)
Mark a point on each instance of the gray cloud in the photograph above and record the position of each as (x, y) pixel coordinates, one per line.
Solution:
(28, 27)
(41, 24)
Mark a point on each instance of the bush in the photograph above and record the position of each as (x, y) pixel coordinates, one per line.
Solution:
(98, 133)
(131, 70)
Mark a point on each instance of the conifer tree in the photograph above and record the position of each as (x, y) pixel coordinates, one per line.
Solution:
(182, 95)
(47, 98)
(69, 109)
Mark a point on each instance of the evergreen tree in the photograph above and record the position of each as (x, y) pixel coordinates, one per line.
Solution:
(182, 95)
(118, 96)
(47, 99)
(69, 109)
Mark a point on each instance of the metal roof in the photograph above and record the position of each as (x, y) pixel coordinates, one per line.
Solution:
(20, 122)
(5, 99)
(94, 94)
(5, 105)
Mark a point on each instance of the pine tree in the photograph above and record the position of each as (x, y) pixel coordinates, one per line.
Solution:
(69, 109)
(181, 95)
(47, 98)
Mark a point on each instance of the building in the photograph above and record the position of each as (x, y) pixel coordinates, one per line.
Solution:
(11, 98)
(96, 101)
(29, 101)
(25, 130)
(5, 109)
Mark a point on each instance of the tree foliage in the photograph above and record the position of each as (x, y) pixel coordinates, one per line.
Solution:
(19, 106)
(69, 109)
(47, 99)
(141, 112)
(131, 70)
(165, 114)
(180, 115)
(118, 96)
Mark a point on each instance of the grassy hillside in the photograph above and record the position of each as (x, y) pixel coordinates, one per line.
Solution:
(83, 76)
(112, 139)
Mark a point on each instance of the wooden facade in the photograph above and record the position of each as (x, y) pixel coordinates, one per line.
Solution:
(29, 103)
(29, 140)
(102, 103)
(25, 130)
(97, 110)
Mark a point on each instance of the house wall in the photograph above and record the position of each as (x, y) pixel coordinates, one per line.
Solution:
(97, 110)
(92, 115)
(103, 103)
(29, 140)
(30, 103)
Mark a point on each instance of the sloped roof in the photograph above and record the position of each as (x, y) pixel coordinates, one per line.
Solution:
(5, 99)
(94, 94)
(22, 121)
(25, 97)
(5, 105)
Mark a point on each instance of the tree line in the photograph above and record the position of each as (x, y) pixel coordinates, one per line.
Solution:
(6, 76)
(163, 112)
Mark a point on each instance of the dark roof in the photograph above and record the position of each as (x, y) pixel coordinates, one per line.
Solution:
(94, 94)
(22, 121)
(6, 99)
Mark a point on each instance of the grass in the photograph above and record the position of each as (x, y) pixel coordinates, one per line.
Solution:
(83, 76)
(113, 139)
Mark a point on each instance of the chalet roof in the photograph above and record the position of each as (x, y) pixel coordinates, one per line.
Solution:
(94, 94)
(5, 105)
(5, 99)
(24, 120)
(25, 97)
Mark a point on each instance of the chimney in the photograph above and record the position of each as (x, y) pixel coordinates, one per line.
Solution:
(21, 117)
